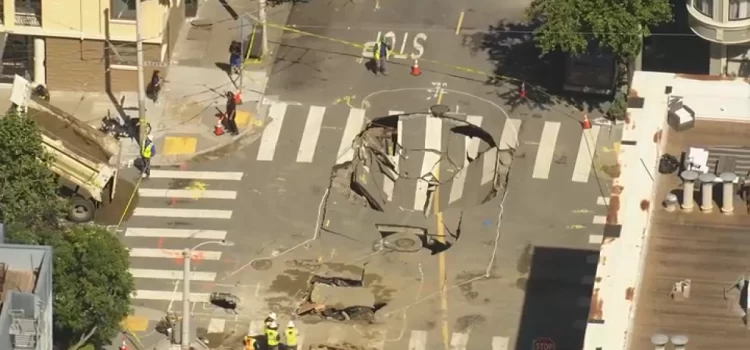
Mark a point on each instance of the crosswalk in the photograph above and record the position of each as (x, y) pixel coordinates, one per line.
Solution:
(317, 334)
(172, 215)
(325, 135)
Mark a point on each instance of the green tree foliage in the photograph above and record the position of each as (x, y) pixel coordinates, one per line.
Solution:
(92, 284)
(28, 189)
(618, 25)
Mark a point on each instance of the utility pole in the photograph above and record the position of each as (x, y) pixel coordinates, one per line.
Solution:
(187, 254)
(263, 20)
(141, 80)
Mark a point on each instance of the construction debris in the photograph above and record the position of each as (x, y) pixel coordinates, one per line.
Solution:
(341, 346)
(340, 298)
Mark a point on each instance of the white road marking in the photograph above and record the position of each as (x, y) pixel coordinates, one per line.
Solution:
(459, 341)
(602, 200)
(311, 134)
(172, 253)
(433, 140)
(255, 328)
(388, 184)
(216, 325)
(195, 194)
(596, 239)
(546, 150)
(175, 233)
(143, 294)
(418, 340)
(509, 135)
(172, 274)
(351, 130)
(586, 152)
(183, 213)
(270, 136)
(489, 165)
(500, 343)
(600, 219)
(196, 175)
(471, 149)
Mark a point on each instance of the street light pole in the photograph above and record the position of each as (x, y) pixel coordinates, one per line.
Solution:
(187, 255)
(263, 20)
(141, 80)
(185, 339)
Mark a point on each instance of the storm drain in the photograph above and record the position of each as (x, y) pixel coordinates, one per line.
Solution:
(401, 238)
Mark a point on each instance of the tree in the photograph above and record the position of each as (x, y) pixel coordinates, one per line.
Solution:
(618, 25)
(28, 189)
(91, 282)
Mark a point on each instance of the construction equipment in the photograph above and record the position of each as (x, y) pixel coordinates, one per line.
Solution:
(80, 153)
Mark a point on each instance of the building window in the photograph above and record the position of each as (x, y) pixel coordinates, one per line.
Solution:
(122, 9)
(738, 10)
(122, 53)
(705, 7)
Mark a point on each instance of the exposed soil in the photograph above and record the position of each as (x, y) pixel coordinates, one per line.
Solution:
(110, 213)
(56, 128)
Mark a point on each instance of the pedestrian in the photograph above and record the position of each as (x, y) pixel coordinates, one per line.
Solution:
(381, 51)
(154, 86)
(148, 150)
(231, 114)
(291, 333)
(272, 336)
(235, 57)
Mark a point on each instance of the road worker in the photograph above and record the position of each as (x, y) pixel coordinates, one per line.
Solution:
(291, 333)
(269, 319)
(272, 336)
(380, 53)
(250, 342)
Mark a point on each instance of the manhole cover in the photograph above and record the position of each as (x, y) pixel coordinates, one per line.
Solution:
(262, 264)
(405, 243)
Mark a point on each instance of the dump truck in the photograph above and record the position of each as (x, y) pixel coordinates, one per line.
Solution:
(81, 154)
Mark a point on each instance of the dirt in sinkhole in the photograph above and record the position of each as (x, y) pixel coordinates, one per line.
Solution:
(110, 213)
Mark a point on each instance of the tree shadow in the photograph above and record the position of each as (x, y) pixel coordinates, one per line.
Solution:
(511, 48)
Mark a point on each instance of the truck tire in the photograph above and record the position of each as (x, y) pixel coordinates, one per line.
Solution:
(81, 209)
(403, 242)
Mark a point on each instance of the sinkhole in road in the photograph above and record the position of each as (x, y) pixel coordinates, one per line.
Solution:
(340, 297)
(457, 158)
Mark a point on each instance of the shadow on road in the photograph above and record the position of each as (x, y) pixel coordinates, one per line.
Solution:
(556, 303)
(510, 47)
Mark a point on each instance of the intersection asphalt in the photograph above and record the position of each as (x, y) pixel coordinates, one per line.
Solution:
(503, 288)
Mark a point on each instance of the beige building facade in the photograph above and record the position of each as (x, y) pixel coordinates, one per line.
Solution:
(86, 44)
(726, 24)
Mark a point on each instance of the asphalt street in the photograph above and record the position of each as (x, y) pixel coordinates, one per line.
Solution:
(520, 270)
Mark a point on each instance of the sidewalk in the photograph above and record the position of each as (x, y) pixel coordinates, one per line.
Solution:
(195, 85)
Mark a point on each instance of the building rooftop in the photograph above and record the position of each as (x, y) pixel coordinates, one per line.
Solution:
(649, 255)
(19, 268)
(709, 249)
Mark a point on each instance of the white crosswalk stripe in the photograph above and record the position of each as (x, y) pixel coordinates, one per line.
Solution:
(156, 245)
(586, 151)
(546, 150)
(353, 126)
(388, 184)
(272, 131)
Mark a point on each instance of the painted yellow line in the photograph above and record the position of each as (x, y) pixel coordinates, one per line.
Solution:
(460, 22)
(441, 257)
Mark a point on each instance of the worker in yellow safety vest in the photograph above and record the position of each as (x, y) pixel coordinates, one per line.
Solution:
(380, 53)
(148, 150)
(272, 336)
(292, 333)
(250, 343)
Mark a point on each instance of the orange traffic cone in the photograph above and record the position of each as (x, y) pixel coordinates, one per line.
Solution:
(586, 122)
(219, 128)
(415, 70)
(238, 97)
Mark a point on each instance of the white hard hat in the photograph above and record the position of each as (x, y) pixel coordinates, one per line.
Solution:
(273, 325)
(272, 315)
(290, 324)
(150, 136)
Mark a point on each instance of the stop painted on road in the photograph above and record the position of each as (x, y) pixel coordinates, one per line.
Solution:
(543, 344)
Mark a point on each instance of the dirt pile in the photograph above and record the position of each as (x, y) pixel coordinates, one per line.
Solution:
(111, 212)
(58, 129)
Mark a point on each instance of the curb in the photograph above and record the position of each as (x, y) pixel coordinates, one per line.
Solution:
(246, 136)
